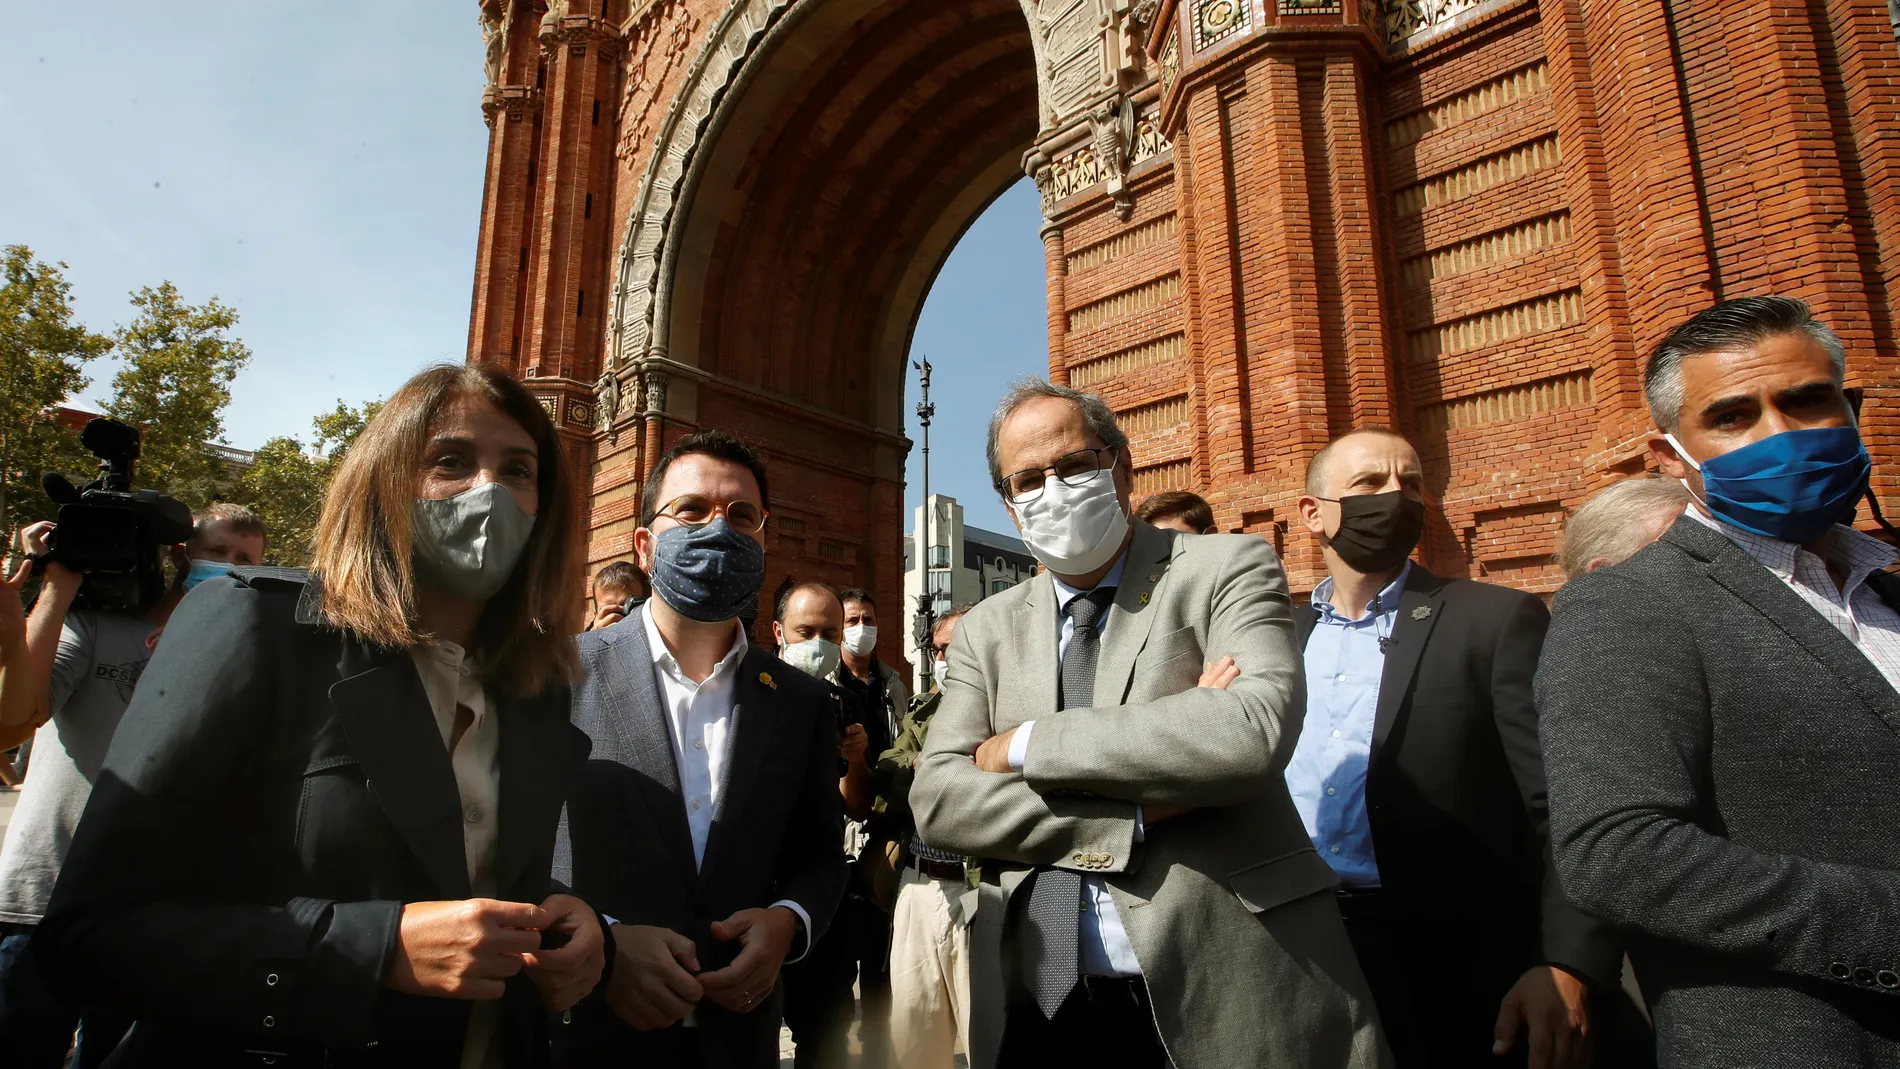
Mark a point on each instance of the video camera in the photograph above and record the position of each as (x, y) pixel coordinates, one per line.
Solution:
(110, 533)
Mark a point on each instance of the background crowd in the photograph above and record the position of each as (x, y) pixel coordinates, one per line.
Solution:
(388, 810)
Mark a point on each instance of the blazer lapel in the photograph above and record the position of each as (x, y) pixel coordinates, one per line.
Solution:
(386, 714)
(1421, 604)
(1745, 577)
(751, 731)
(1041, 664)
(636, 727)
(1129, 618)
(540, 754)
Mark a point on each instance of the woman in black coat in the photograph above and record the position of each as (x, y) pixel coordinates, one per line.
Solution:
(324, 830)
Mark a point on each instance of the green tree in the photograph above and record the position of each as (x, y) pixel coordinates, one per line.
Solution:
(174, 385)
(42, 363)
(286, 482)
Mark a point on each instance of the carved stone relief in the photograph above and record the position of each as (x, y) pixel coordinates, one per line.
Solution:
(656, 392)
(607, 399)
(1403, 18)
(1171, 61)
(656, 46)
(1121, 142)
(1311, 7)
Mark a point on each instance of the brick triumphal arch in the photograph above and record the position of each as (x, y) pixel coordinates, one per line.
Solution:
(1265, 221)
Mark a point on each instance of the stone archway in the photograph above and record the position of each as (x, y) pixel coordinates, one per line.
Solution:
(815, 167)
(1265, 221)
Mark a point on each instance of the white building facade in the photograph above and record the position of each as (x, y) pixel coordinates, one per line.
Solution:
(963, 564)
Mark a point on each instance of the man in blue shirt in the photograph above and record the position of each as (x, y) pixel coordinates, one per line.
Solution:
(1418, 777)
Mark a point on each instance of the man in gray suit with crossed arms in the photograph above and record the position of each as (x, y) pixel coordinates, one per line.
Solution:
(1149, 893)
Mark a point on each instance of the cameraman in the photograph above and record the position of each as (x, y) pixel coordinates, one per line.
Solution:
(73, 684)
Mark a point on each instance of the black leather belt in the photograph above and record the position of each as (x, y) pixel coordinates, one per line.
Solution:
(938, 870)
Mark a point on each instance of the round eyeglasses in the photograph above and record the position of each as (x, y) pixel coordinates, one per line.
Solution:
(696, 510)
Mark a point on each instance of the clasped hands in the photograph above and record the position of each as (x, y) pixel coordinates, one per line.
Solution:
(470, 949)
(656, 978)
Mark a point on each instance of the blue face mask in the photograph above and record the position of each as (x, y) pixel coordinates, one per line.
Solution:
(709, 573)
(1792, 486)
(202, 570)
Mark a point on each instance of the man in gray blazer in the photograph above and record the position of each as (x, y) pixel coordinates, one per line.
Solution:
(1149, 893)
(1720, 727)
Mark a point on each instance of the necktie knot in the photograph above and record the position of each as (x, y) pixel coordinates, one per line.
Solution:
(1087, 608)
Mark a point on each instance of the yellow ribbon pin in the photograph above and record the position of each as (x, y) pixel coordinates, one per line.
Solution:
(766, 678)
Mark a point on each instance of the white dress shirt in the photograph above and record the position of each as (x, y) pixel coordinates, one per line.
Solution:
(451, 686)
(699, 717)
(1104, 949)
(1859, 613)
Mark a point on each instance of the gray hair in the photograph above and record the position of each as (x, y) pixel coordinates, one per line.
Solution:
(1731, 325)
(1095, 412)
(1619, 520)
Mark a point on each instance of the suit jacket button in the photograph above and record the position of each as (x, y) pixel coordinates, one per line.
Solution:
(1863, 975)
(1840, 971)
(1887, 978)
(271, 980)
(269, 1021)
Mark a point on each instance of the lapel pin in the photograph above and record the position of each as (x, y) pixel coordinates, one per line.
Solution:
(1144, 599)
(766, 678)
(1421, 612)
(1155, 577)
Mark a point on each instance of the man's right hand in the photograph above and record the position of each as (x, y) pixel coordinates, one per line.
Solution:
(33, 540)
(653, 983)
(855, 741)
(465, 949)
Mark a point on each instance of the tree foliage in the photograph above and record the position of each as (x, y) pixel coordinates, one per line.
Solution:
(43, 352)
(178, 361)
(286, 481)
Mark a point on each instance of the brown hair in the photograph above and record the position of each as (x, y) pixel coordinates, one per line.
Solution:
(238, 518)
(523, 641)
(1189, 506)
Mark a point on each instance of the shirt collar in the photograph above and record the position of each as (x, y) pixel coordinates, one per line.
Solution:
(1386, 601)
(1066, 593)
(448, 655)
(664, 659)
(1857, 552)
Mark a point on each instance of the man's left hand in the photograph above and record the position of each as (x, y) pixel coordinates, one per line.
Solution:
(566, 974)
(764, 937)
(993, 755)
(1555, 1006)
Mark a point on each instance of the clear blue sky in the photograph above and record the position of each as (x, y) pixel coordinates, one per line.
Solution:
(319, 167)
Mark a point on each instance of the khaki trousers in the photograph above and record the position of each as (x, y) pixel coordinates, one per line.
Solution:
(930, 972)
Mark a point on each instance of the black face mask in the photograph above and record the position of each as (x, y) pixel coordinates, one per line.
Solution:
(1376, 531)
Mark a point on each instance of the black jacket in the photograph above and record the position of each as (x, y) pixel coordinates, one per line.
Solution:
(1455, 789)
(1723, 769)
(275, 794)
(626, 848)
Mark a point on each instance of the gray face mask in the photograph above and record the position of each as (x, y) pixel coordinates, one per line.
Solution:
(467, 546)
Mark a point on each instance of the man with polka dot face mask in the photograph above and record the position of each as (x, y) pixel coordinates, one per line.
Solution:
(690, 720)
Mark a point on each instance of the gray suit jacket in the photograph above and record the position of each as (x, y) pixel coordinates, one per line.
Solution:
(625, 848)
(1228, 907)
(1723, 769)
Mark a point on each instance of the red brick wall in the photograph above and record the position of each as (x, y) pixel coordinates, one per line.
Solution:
(1473, 234)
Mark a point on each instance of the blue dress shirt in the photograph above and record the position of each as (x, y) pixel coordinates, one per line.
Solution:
(1327, 774)
(1104, 948)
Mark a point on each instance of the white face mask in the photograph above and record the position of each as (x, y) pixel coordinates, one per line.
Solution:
(815, 657)
(943, 668)
(860, 639)
(1074, 530)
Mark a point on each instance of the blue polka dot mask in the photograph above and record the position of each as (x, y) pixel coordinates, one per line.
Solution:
(707, 573)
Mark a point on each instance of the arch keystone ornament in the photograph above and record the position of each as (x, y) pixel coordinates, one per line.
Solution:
(1268, 221)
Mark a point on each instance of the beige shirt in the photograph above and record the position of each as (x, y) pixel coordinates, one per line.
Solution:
(452, 687)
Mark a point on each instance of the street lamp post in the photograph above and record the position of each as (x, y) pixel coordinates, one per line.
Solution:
(926, 597)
